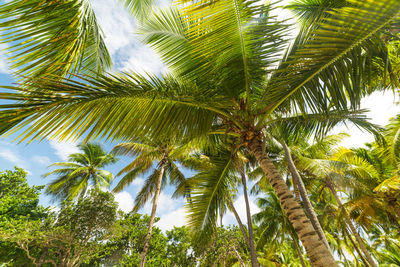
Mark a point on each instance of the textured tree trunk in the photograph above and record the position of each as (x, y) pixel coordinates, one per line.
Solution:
(239, 221)
(306, 200)
(296, 190)
(317, 251)
(153, 215)
(352, 228)
(254, 261)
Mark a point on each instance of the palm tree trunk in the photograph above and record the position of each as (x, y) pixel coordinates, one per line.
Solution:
(239, 221)
(298, 250)
(254, 261)
(237, 255)
(152, 216)
(352, 228)
(319, 254)
(356, 248)
(304, 196)
(296, 244)
(296, 191)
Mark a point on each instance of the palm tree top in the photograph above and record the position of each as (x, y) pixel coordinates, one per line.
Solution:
(227, 69)
(80, 172)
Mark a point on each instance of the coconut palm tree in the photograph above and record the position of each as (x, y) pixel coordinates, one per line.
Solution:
(340, 170)
(165, 157)
(232, 68)
(273, 224)
(213, 189)
(81, 171)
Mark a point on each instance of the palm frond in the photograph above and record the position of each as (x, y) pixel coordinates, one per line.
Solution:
(236, 41)
(309, 11)
(147, 190)
(53, 37)
(303, 126)
(124, 106)
(313, 61)
(209, 190)
(133, 149)
(139, 8)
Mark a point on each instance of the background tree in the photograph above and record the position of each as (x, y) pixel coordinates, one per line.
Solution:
(19, 203)
(81, 171)
(70, 237)
(180, 247)
(228, 247)
(165, 156)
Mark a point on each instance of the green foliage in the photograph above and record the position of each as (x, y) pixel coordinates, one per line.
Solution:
(74, 234)
(18, 200)
(126, 246)
(82, 170)
(19, 203)
(227, 248)
(180, 247)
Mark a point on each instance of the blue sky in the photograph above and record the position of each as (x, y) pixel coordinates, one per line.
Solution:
(128, 53)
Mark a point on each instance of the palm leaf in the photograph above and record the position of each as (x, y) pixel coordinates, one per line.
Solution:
(125, 106)
(148, 190)
(236, 41)
(53, 37)
(209, 190)
(345, 30)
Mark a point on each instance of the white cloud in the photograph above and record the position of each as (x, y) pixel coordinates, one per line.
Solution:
(64, 149)
(127, 51)
(174, 218)
(125, 201)
(4, 68)
(170, 211)
(138, 182)
(382, 107)
(41, 160)
(10, 156)
(14, 157)
(165, 205)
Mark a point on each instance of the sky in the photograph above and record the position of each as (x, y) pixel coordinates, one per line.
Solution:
(129, 54)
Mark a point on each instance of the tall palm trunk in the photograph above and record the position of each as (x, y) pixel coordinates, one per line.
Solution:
(239, 221)
(254, 261)
(319, 254)
(346, 216)
(356, 248)
(304, 196)
(153, 215)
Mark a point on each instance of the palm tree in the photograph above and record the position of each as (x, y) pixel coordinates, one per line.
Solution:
(166, 157)
(273, 224)
(81, 171)
(339, 170)
(228, 76)
(214, 188)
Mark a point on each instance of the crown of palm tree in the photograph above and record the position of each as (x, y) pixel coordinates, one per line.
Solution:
(81, 171)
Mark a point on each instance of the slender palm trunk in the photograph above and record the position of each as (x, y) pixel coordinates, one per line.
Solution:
(352, 228)
(343, 256)
(296, 190)
(296, 244)
(237, 255)
(254, 261)
(239, 221)
(152, 216)
(355, 246)
(319, 254)
(304, 196)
